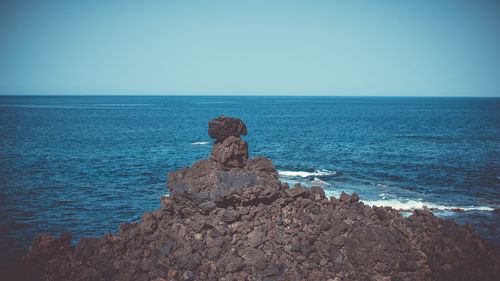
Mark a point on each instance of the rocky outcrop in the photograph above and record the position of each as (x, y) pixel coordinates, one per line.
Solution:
(223, 127)
(234, 220)
(232, 152)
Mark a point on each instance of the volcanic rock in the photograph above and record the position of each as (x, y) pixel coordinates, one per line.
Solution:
(223, 127)
(229, 218)
(232, 152)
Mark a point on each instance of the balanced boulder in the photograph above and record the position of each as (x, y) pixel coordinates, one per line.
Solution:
(223, 127)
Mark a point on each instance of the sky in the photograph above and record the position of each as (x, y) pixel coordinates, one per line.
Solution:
(358, 48)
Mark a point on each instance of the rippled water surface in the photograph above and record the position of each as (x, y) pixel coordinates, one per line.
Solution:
(85, 164)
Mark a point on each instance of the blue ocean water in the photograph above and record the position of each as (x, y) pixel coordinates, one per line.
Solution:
(86, 164)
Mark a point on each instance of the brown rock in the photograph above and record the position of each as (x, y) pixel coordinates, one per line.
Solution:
(223, 127)
(298, 191)
(262, 164)
(319, 191)
(230, 153)
(317, 274)
(187, 275)
(256, 237)
(171, 273)
(254, 257)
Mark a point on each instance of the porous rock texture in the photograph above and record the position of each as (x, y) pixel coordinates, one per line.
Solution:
(230, 153)
(223, 127)
(239, 222)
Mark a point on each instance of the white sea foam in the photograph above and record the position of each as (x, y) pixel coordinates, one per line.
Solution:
(318, 181)
(332, 193)
(378, 184)
(417, 204)
(400, 204)
(385, 195)
(404, 205)
(200, 142)
(303, 174)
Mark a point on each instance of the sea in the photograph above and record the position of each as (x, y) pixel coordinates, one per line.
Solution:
(85, 164)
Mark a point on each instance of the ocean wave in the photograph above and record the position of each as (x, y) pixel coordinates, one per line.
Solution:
(332, 193)
(410, 205)
(377, 184)
(419, 205)
(385, 195)
(318, 181)
(200, 142)
(303, 174)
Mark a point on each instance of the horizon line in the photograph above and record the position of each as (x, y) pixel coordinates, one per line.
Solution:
(239, 95)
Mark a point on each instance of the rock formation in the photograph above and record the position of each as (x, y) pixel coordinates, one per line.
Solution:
(230, 218)
(232, 152)
(223, 127)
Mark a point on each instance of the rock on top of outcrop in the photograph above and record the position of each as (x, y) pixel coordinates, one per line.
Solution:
(226, 178)
(230, 153)
(223, 127)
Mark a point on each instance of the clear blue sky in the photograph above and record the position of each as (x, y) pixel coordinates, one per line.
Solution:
(400, 47)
